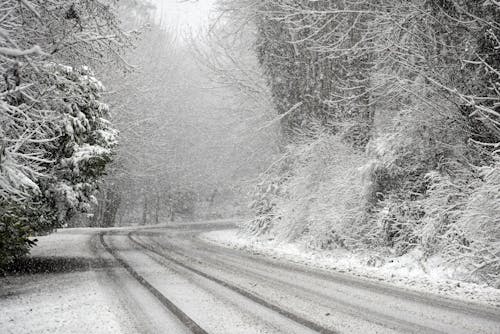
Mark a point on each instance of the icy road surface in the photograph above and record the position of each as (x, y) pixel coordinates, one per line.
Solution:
(166, 279)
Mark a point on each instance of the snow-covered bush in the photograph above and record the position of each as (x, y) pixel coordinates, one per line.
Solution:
(480, 223)
(422, 141)
(425, 191)
(263, 204)
(462, 215)
(318, 198)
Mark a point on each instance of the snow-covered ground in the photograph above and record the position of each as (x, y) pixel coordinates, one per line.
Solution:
(405, 272)
(58, 303)
(74, 285)
(60, 298)
(71, 285)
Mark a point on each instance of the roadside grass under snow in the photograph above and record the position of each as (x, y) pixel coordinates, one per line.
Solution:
(433, 276)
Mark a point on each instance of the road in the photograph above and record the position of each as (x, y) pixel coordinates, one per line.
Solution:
(168, 280)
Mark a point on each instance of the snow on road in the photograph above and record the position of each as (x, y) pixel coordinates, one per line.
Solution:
(405, 272)
(76, 285)
(76, 288)
(205, 302)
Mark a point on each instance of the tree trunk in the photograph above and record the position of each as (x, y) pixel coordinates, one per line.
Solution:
(157, 209)
(145, 210)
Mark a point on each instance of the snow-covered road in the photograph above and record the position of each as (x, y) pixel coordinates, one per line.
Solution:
(168, 280)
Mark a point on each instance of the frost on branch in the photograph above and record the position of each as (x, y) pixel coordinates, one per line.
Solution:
(35, 50)
(14, 180)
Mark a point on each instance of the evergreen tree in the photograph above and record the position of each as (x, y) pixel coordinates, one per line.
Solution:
(55, 140)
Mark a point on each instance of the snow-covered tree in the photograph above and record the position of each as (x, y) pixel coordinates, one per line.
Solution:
(54, 137)
(411, 85)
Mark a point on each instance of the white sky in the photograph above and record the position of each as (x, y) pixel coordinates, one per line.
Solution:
(184, 15)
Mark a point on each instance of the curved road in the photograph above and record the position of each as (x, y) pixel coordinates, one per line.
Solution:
(177, 283)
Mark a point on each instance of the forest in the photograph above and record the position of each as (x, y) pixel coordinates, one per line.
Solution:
(367, 126)
(391, 127)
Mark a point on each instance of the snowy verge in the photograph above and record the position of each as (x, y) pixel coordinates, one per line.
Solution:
(403, 272)
(71, 302)
(69, 297)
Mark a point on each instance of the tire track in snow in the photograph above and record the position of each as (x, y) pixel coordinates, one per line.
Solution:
(183, 317)
(366, 314)
(294, 317)
(388, 320)
(459, 306)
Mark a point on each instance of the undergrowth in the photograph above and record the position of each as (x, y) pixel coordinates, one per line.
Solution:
(422, 185)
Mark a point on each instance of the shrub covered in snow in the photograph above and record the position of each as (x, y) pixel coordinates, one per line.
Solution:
(416, 187)
(314, 192)
(462, 220)
(422, 141)
(421, 83)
